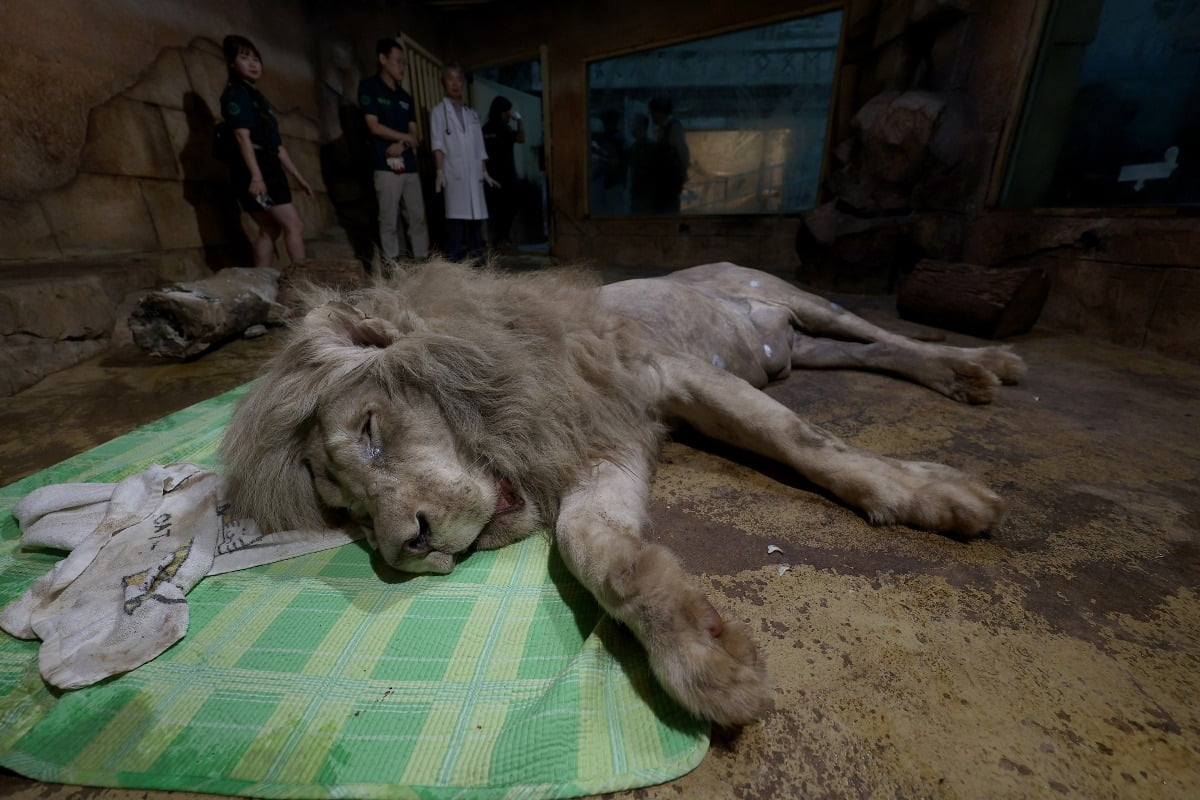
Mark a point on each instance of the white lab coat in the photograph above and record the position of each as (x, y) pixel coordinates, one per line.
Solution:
(463, 154)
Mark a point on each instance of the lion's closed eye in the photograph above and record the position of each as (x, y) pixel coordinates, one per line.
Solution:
(370, 437)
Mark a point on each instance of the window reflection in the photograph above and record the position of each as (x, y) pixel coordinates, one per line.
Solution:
(1112, 117)
(731, 124)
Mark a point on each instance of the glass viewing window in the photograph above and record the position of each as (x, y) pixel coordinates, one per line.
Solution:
(1112, 116)
(730, 124)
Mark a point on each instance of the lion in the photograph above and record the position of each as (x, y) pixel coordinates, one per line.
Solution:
(452, 408)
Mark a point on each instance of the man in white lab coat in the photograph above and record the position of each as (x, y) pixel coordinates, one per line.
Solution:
(461, 158)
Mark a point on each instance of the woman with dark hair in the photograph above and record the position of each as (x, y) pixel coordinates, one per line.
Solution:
(499, 139)
(258, 175)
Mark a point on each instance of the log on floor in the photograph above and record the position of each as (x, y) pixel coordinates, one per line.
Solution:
(991, 302)
(187, 319)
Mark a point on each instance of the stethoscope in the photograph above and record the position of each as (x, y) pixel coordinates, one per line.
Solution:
(446, 119)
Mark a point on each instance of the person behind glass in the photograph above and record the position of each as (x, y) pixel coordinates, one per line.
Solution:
(392, 122)
(461, 158)
(498, 139)
(258, 176)
(641, 167)
(609, 164)
(673, 157)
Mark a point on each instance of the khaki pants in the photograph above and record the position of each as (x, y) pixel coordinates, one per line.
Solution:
(401, 192)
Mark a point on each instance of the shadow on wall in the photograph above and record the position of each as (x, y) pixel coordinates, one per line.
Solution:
(346, 168)
(207, 189)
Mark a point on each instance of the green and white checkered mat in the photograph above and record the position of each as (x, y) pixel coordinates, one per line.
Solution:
(314, 677)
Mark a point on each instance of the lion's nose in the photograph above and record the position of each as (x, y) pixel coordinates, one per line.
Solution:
(419, 545)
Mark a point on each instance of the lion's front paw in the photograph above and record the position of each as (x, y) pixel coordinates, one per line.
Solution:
(710, 665)
(719, 677)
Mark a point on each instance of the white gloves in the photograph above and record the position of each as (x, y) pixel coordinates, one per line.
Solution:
(396, 164)
(439, 182)
(136, 549)
(516, 115)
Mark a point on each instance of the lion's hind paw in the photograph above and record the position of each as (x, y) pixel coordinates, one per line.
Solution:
(979, 372)
(1004, 364)
(973, 384)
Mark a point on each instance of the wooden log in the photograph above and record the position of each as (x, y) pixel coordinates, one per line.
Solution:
(990, 302)
(187, 319)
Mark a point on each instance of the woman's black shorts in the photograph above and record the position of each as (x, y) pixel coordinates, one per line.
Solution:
(273, 176)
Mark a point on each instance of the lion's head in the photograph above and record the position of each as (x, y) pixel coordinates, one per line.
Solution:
(446, 409)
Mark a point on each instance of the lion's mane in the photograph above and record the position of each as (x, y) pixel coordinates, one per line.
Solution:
(533, 375)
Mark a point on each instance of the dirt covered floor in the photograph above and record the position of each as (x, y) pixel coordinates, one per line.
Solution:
(1060, 657)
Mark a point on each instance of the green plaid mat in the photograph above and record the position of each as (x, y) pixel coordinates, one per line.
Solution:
(314, 678)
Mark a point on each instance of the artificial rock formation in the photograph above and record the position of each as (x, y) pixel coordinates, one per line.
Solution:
(899, 187)
(906, 163)
(52, 316)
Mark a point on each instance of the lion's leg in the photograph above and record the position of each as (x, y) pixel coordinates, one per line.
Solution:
(960, 379)
(968, 374)
(921, 494)
(708, 664)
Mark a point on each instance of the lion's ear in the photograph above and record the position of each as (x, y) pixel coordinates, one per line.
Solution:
(351, 324)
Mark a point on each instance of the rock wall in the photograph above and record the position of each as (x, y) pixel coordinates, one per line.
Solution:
(144, 179)
(912, 141)
(63, 59)
(107, 183)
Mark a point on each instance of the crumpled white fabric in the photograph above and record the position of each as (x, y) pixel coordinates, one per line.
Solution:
(136, 548)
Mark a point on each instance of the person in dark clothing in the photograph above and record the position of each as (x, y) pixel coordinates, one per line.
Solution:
(672, 157)
(609, 164)
(258, 176)
(391, 118)
(499, 138)
(641, 167)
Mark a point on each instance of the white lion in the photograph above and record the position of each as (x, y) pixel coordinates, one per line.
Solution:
(451, 409)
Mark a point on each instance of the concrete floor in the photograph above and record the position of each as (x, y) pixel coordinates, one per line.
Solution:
(1059, 658)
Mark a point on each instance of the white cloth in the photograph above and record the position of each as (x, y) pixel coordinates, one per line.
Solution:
(136, 548)
(460, 139)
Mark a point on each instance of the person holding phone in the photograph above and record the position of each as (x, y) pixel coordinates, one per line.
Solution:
(499, 139)
(259, 177)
